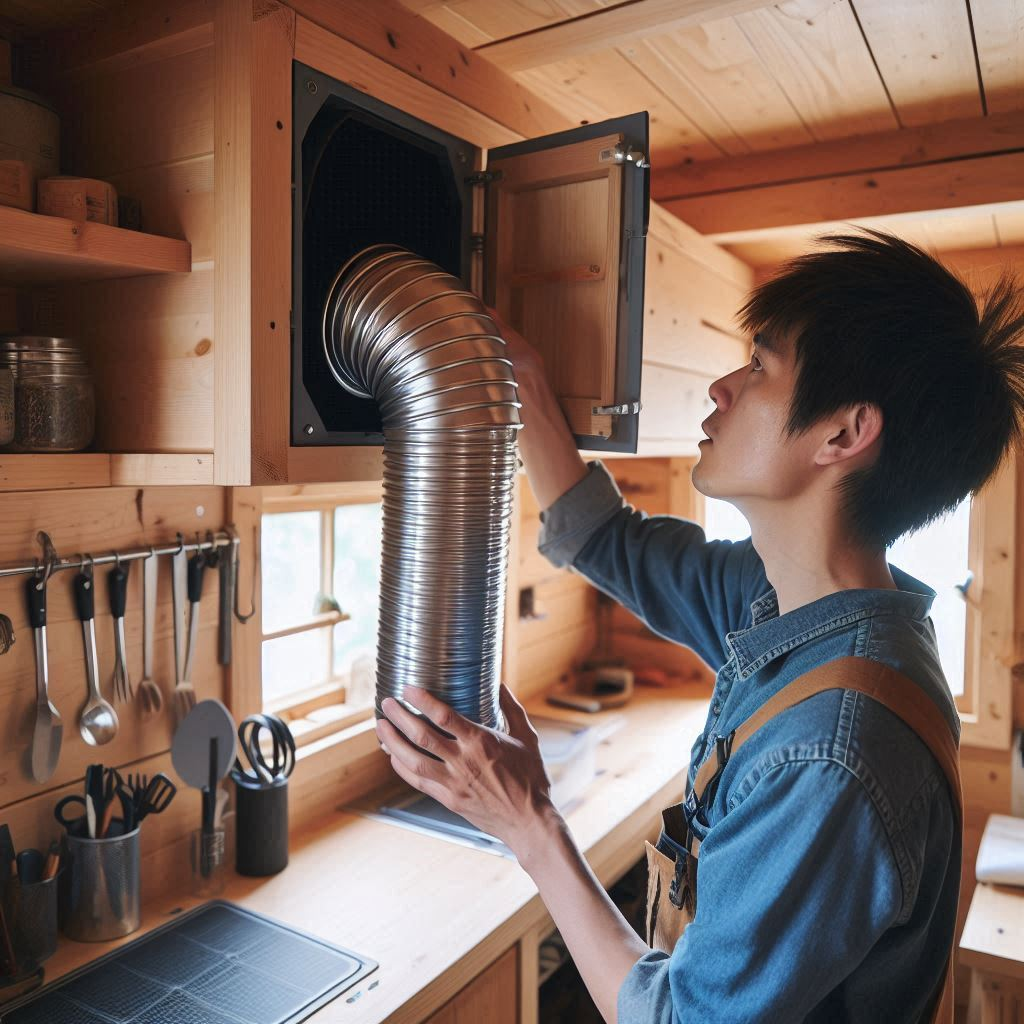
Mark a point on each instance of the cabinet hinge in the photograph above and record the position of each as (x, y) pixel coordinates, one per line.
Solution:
(476, 242)
(482, 177)
(625, 409)
(622, 154)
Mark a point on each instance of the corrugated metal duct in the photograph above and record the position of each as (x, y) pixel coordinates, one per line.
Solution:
(400, 330)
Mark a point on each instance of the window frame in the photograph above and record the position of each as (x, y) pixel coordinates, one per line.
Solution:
(986, 704)
(325, 499)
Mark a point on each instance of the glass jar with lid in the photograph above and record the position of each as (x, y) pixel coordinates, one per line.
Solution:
(54, 399)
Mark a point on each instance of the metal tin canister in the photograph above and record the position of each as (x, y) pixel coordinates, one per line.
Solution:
(29, 130)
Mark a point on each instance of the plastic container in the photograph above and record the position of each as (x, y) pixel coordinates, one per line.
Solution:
(207, 855)
(261, 827)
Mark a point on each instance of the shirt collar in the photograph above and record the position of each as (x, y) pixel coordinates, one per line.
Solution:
(772, 634)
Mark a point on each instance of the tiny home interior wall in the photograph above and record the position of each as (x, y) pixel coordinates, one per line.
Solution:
(101, 521)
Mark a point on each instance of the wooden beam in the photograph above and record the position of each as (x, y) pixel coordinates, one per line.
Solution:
(985, 265)
(883, 151)
(232, 287)
(606, 28)
(747, 214)
(390, 32)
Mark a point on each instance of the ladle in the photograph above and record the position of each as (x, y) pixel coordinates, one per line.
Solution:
(98, 721)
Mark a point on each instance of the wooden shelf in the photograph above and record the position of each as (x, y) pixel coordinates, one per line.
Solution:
(103, 469)
(36, 249)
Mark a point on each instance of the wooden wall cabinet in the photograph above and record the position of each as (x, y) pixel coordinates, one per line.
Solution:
(550, 230)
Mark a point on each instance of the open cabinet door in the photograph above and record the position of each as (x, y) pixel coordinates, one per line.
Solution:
(565, 241)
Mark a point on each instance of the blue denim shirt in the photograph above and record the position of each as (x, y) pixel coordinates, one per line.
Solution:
(830, 861)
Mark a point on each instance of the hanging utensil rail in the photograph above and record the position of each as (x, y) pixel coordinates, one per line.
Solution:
(215, 539)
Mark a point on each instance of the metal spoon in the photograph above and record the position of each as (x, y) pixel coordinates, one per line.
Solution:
(149, 693)
(98, 720)
(49, 729)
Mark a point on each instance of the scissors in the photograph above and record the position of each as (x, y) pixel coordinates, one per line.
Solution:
(103, 785)
(281, 761)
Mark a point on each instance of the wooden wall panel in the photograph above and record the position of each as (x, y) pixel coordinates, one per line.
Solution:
(97, 521)
(151, 349)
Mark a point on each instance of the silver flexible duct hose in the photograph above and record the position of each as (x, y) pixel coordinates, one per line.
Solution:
(399, 329)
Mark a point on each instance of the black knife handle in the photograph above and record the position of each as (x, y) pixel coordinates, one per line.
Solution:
(118, 582)
(85, 599)
(36, 602)
(196, 565)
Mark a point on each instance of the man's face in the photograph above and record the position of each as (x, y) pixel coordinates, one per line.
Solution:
(748, 457)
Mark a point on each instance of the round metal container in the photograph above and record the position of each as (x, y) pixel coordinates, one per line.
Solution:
(29, 130)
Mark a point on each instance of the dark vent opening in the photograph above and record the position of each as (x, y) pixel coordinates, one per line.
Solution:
(366, 181)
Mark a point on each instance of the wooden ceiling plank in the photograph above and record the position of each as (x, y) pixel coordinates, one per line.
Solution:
(946, 140)
(714, 66)
(601, 85)
(973, 182)
(513, 17)
(925, 56)
(386, 30)
(606, 27)
(999, 35)
(815, 51)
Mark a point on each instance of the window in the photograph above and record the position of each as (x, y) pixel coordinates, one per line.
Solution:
(320, 584)
(967, 558)
(939, 556)
(724, 521)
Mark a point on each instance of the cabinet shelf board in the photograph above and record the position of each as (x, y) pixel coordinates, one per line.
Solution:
(43, 472)
(35, 248)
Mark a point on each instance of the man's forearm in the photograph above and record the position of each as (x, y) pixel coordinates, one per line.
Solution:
(603, 946)
(546, 444)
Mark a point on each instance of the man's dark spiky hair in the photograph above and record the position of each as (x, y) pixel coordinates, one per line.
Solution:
(878, 320)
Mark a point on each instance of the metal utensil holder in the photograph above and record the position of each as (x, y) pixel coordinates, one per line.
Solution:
(35, 923)
(100, 898)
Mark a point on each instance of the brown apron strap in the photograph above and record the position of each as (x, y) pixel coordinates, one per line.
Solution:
(900, 694)
(905, 699)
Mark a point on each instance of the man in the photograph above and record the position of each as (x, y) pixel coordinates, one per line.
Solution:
(876, 399)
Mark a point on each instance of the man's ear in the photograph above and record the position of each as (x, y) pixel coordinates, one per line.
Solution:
(851, 431)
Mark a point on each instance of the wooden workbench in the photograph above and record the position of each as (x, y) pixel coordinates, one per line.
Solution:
(992, 945)
(435, 914)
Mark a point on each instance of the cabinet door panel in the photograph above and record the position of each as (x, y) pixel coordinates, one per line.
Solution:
(566, 228)
(492, 996)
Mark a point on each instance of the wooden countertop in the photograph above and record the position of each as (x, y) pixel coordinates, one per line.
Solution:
(433, 913)
(993, 936)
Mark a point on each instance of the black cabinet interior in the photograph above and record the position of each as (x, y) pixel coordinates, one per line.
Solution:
(363, 173)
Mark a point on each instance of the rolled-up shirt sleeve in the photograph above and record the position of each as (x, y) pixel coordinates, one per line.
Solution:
(795, 885)
(662, 568)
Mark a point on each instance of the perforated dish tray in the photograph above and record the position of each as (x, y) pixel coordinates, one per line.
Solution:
(217, 964)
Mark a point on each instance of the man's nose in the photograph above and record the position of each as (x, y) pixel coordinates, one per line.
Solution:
(721, 391)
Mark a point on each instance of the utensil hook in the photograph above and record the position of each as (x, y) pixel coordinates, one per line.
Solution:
(50, 557)
(181, 543)
(236, 544)
(88, 565)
